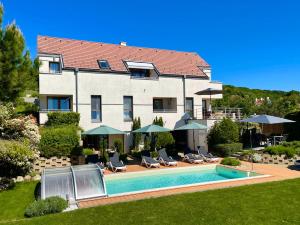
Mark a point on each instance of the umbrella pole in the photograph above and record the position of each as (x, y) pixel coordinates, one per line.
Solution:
(194, 139)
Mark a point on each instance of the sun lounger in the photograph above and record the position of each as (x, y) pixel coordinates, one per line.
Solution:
(191, 158)
(148, 161)
(115, 163)
(165, 159)
(208, 157)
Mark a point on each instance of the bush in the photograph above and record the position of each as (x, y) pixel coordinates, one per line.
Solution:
(58, 141)
(164, 139)
(136, 154)
(123, 157)
(289, 152)
(154, 154)
(87, 151)
(48, 206)
(6, 183)
(230, 162)
(16, 158)
(63, 118)
(224, 132)
(118, 145)
(227, 149)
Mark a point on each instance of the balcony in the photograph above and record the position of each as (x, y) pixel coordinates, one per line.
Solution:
(218, 113)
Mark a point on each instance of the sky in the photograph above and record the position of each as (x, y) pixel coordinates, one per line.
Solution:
(250, 43)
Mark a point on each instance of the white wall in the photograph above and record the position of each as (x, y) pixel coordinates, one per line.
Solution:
(112, 87)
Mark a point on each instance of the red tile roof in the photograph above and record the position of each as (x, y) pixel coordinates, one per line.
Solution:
(84, 54)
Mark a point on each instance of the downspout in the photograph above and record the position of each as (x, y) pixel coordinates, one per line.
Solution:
(76, 87)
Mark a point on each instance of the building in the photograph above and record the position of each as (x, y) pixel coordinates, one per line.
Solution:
(112, 84)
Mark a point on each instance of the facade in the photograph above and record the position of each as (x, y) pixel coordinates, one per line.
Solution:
(112, 84)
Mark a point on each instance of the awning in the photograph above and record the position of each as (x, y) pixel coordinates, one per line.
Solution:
(103, 130)
(210, 91)
(140, 65)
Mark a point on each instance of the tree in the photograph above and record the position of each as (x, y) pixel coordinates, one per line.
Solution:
(136, 136)
(17, 72)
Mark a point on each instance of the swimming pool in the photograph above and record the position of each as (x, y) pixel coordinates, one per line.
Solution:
(135, 182)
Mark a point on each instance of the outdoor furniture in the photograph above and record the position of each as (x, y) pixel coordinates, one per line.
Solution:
(148, 161)
(115, 163)
(192, 158)
(297, 163)
(208, 157)
(165, 159)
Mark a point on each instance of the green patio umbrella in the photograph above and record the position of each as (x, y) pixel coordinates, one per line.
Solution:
(152, 128)
(103, 130)
(192, 126)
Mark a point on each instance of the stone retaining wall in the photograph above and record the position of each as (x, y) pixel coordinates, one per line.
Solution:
(55, 162)
(276, 159)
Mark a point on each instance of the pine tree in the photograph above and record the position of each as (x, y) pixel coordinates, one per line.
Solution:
(17, 72)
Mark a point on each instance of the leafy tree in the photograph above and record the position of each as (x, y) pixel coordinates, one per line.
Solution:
(224, 132)
(17, 72)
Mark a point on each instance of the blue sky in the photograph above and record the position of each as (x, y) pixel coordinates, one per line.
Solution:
(247, 43)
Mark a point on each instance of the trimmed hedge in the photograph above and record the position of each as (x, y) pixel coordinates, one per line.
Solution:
(6, 183)
(58, 141)
(48, 206)
(228, 149)
(63, 118)
(230, 162)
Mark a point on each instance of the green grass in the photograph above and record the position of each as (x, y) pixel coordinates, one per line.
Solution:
(13, 202)
(260, 204)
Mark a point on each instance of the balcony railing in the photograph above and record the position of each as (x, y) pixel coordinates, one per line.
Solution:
(219, 113)
(164, 110)
(55, 110)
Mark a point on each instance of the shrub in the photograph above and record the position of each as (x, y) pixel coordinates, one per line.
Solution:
(292, 129)
(164, 139)
(6, 183)
(16, 158)
(63, 118)
(227, 149)
(136, 136)
(58, 141)
(87, 151)
(118, 145)
(123, 157)
(48, 206)
(136, 154)
(289, 152)
(230, 162)
(224, 132)
(154, 154)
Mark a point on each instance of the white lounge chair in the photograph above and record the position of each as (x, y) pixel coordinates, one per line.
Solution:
(116, 164)
(165, 159)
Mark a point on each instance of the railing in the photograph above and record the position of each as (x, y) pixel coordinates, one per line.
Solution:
(55, 110)
(164, 110)
(219, 113)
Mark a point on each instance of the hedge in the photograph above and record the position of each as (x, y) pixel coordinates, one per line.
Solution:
(230, 162)
(281, 150)
(63, 118)
(58, 141)
(227, 149)
(47, 206)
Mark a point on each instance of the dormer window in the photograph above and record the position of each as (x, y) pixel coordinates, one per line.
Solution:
(103, 64)
(142, 70)
(54, 67)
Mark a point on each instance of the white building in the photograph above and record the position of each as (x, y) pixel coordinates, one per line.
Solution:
(112, 84)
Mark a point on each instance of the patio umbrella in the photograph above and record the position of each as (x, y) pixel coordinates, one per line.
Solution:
(192, 126)
(266, 119)
(210, 92)
(152, 128)
(103, 130)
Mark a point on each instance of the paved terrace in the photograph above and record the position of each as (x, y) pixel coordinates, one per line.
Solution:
(277, 172)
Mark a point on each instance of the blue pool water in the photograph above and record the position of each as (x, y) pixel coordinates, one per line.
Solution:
(141, 181)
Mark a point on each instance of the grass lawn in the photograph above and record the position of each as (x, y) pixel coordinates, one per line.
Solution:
(261, 204)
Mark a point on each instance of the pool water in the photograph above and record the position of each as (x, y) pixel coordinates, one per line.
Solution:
(168, 178)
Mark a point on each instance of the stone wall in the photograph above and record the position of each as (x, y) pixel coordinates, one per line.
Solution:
(55, 162)
(276, 159)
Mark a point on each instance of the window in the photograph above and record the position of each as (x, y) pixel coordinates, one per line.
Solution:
(189, 106)
(59, 103)
(103, 64)
(128, 108)
(96, 108)
(54, 67)
(164, 105)
(140, 73)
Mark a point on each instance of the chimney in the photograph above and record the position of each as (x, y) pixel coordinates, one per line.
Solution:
(123, 43)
